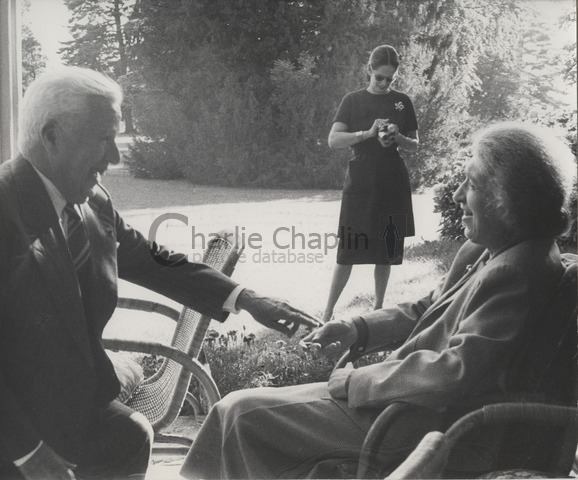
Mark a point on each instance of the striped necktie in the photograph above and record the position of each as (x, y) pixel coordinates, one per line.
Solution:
(78, 244)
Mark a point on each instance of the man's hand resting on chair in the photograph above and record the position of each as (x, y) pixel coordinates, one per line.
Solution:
(274, 313)
(44, 464)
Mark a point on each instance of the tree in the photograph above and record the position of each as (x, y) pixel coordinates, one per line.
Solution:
(100, 41)
(256, 82)
(33, 60)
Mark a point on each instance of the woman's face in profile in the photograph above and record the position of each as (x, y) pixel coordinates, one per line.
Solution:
(481, 223)
(381, 78)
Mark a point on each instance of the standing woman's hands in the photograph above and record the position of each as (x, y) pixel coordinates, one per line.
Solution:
(388, 137)
(377, 124)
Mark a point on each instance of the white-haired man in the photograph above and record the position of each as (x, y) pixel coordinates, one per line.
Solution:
(58, 413)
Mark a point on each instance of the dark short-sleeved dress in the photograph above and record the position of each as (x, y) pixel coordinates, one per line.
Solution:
(377, 192)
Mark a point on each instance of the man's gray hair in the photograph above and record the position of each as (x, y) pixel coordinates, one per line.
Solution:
(63, 96)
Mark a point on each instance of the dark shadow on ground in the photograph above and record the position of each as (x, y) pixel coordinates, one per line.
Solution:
(130, 193)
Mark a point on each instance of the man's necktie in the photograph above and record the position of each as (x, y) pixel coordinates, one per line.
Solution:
(78, 244)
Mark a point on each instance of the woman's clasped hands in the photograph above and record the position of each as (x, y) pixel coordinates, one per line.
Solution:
(387, 133)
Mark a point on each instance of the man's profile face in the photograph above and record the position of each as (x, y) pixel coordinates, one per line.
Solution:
(85, 151)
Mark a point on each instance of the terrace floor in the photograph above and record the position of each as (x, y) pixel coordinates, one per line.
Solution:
(165, 465)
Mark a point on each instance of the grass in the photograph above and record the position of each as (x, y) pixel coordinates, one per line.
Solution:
(260, 212)
(424, 264)
(272, 359)
(136, 193)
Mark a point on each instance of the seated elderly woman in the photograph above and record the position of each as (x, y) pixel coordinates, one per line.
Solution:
(459, 343)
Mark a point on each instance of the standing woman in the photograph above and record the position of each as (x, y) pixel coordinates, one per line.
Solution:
(375, 122)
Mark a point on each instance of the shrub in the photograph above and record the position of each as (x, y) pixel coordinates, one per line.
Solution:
(270, 360)
(451, 213)
(441, 252)
(451, 224)
(150, 364)
(151, 160)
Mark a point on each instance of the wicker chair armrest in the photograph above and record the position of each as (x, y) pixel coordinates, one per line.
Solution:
(368, 458)
(148, 306)
(154, 348)
(429, 458)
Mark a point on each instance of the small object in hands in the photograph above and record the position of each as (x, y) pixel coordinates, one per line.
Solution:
(386, 132)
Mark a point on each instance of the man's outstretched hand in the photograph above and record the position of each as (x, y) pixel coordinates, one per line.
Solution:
(275, 313)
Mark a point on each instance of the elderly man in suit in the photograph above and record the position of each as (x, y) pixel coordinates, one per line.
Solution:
(465, 341)
(62, 247)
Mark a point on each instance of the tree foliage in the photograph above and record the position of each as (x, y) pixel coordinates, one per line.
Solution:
(33, 60)
(531, 86)
(100, 39)
(244, 92)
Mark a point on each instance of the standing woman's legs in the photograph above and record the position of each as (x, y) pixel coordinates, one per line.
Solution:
(381, 276)
(340, 277)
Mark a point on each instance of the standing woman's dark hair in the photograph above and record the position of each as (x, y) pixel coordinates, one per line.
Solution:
(383, 55)
(375, 122)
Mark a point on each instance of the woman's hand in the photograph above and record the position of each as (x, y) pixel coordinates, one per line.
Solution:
(377, 124)
(332, 338)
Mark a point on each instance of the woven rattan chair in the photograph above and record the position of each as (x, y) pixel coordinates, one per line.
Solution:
(161, 396)
(430, 457)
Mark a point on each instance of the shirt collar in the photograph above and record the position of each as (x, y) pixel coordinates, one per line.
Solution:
(58, 201)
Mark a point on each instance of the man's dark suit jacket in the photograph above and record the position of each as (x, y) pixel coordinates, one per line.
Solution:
(54, 373)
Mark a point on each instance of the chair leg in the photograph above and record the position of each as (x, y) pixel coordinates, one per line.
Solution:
(196, 404)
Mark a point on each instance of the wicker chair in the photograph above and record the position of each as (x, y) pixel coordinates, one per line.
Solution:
(161, 396)
(430, 457)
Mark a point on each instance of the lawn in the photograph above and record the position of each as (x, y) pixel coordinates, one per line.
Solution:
(282, 255)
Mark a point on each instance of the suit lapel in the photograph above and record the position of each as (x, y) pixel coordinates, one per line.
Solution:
(49, 249)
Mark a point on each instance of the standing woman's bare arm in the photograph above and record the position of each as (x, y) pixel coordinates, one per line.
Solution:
(409, 142)
(341, 137)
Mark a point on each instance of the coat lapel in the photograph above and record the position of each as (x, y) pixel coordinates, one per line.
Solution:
(447, 295)
(431, 315)
(49, 249)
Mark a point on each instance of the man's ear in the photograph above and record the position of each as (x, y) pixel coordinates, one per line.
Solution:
(49, 136)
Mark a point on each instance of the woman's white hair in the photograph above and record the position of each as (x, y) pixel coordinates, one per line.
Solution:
(63, 96)
(530, 173)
